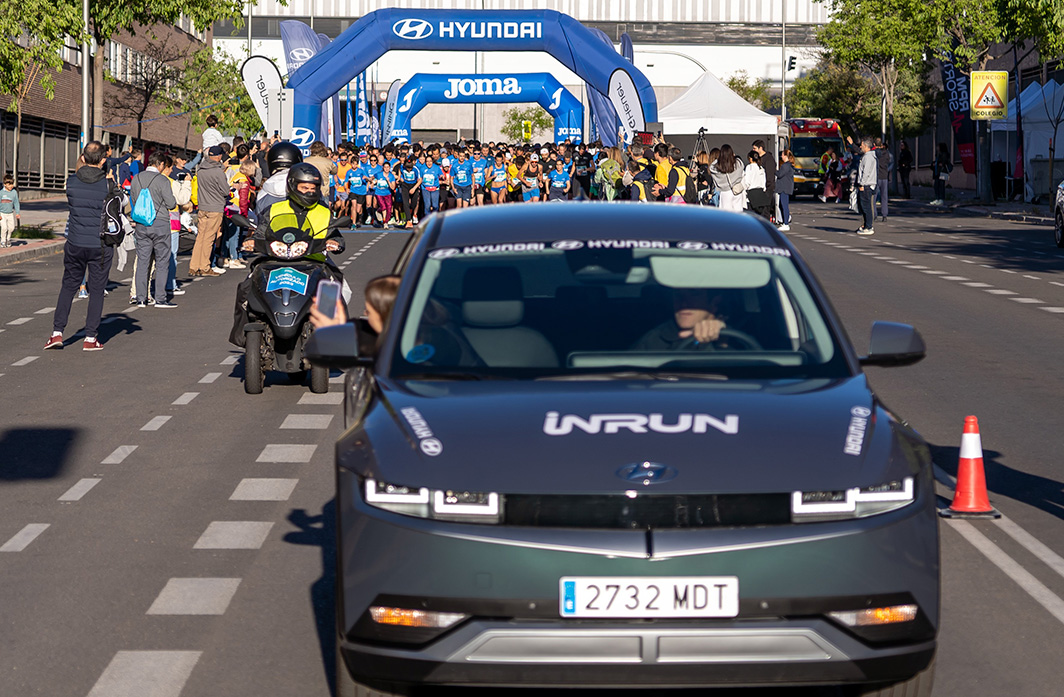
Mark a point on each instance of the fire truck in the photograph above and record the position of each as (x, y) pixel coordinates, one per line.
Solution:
(810, 140)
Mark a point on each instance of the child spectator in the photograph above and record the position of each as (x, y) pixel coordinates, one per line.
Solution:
(10, 210)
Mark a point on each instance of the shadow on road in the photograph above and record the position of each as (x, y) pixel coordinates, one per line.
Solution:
(115, 324)
(1040, 492)
(320, 531)
(14, 278)
(35, 453)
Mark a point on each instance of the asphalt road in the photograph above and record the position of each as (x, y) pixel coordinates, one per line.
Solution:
(162, 533)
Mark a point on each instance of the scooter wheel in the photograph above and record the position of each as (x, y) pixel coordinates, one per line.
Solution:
(319, 380)
(254, 374)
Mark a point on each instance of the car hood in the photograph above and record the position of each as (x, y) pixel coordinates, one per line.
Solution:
(578, 437)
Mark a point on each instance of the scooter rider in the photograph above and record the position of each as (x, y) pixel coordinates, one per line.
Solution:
(301, 208)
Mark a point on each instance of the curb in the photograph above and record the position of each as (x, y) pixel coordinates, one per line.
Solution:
(40, 250)
(961, 209)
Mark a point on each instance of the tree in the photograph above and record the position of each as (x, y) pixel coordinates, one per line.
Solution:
(836, 91)
(148, 79)
(109, 17)
(754, 91)
(32, 35)
(514, 118)
(210, 82)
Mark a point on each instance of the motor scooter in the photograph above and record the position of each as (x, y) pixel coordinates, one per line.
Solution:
(284, 282)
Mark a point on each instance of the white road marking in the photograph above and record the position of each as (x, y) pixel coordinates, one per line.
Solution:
(286, 452)
(1006, 271)
(131, 308)
(967, 261)
(24, 537)
(327, 398)
(1055, 310)
(1032, 544)
(307, 421)
(233, 534)
(948, 256)
(870, 254)
(998, 291)
(1023, 578)
(1057, 283)
(976, 284)
(884, 258)
(933, 272)
(156, 423)
(1027, 301)
(898, 261)
(209, 378)
(119, 455)
(337, 380)
(146, 674)
(20, 320)
(195, 596)
(44, 311)
(231, 360)
(75, 492)
(185, 399)
(264, 489)
(1033, 278)
(915, 267)
(25, 361)
(954, 278)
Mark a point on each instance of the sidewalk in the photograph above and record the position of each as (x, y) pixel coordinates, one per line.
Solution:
(46, 213)
(962, 202)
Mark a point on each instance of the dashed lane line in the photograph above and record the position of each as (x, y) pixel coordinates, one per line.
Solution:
(998, 291)
(1054, 310)
(1027, 301)
(24, 361)
(76, 492)
(234, 534)
(287, 452)
(332, 398)
(307, 421)
(24, 537)
(44, 311)
(146, 674)
(20, 320)
(263, 489)
(954, 278)
(119, 455)
(195, 596)
(184, 399)
(231, 360)
(156, 423)
(976, 284)
(209, 378)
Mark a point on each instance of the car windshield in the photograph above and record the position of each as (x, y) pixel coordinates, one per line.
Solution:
(570, 310)
(814, 147)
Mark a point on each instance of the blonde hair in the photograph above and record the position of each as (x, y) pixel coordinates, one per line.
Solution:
(248, 169)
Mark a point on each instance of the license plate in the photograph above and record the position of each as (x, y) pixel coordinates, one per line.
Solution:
(649, 597)
(295, 281)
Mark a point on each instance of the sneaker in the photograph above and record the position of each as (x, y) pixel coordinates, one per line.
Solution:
(217, 270)
(82, 293)
(92, 344)
(784, 228)
(141, 303)
(164, 304)
(237, 264)
(177, 291)
(54, 342)
(866, 231)
(132, 301)
(823, 199)
(151, 301)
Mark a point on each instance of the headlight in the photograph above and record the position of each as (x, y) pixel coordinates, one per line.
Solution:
(859, 502)
(458, 506)
(298, 249)
(279, 249)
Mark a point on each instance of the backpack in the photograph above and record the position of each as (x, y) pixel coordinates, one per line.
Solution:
(194, 197)
(144, 208)
(113, 221)
(684, 181)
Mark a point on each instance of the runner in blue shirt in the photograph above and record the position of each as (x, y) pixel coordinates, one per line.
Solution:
(383, 183)
(479, 166)
(356, 184)
(498, 175)
(410, 189)
(559, 182)
(462, 179)
(430, 185)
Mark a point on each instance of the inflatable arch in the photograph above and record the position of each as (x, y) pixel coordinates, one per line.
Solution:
(376, 33)
(543, 88)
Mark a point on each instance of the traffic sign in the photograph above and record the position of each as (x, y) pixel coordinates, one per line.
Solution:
(989, 94)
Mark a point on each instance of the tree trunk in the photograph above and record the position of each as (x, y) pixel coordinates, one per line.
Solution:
(97, 89)
(18, 131)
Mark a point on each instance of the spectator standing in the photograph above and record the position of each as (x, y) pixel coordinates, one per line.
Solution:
(943, 167)
(10, 210)
(727, 174)
(768, 163)
(154, 238)
(867, 175)
(785, 188)
(884, 163)
(832, 177)
(757, 198)
(213, 194)
(319, 158)
(905, 168)
(86, 191)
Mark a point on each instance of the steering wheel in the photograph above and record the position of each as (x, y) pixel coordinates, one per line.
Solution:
(747, 342)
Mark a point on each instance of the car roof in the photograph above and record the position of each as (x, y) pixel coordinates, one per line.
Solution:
(546, 222)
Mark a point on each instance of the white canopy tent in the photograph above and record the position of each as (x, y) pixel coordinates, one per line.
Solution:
(709, 104)
(1040, 105)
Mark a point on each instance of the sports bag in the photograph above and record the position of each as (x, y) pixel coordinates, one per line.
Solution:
(113, 221)
(144, 208)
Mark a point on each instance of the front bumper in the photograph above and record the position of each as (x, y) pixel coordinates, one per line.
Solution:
(506, 579)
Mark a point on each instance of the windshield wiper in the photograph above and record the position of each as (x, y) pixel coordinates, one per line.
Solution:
(664, 376)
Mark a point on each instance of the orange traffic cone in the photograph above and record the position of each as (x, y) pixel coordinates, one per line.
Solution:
(970, 499)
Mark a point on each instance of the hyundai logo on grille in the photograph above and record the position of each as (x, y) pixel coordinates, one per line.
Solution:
(647, 473)
(412, 29)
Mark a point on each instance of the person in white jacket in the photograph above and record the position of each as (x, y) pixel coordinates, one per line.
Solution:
(757, 198)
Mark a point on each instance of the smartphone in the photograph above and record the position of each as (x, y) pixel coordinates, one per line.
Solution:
(328, 295)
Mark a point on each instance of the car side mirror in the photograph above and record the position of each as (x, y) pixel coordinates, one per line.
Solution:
(894, 345)
(336, 347)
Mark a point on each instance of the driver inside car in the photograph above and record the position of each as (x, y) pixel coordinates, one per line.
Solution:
(696, 324)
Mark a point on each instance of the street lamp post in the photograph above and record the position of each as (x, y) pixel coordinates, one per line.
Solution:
(86, 124)
(783, 72)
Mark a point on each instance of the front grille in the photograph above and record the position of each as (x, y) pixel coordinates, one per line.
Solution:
(661, 511)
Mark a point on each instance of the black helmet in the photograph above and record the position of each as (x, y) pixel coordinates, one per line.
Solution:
(301, 173)
(282, 155)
